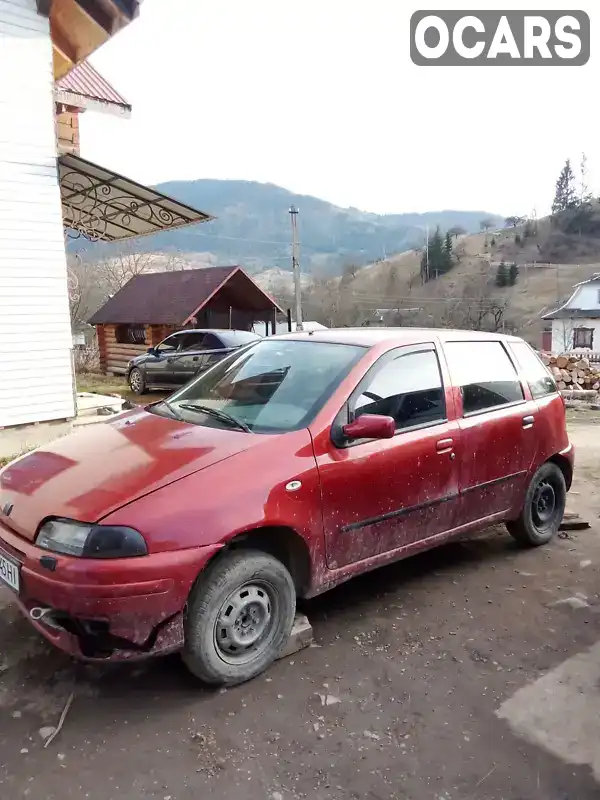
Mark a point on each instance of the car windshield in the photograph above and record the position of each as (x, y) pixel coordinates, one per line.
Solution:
(272, 386)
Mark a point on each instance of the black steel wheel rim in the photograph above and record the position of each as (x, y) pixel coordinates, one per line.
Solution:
(246, 622)
(544, 505)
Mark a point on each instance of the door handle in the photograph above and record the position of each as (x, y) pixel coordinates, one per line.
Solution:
(444, 445)
(195, 358)
(528, 421)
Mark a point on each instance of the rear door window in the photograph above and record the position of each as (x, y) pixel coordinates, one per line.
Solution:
(212, 342)
(193, 341)
(485, 374)
(536, 374)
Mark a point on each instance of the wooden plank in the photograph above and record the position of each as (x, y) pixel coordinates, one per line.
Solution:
(113, 365)
(126, 348)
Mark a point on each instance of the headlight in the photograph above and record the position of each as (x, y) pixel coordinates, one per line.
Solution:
(90, 541)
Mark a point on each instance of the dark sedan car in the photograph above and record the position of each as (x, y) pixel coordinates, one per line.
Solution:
(181, 356)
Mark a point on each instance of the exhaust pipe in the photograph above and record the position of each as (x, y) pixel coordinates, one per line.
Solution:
(45, 615)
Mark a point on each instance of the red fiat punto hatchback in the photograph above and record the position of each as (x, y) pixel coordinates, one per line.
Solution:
(194, 524)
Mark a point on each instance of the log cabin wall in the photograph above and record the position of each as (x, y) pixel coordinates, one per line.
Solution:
(115, 353)
(160, 332)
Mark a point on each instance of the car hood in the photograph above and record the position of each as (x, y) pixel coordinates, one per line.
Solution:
(90, 474)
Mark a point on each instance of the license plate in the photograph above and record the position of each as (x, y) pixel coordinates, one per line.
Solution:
(9, 573)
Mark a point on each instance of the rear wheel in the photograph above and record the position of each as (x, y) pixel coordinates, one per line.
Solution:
(543, 509)
(239, 616)
(136, 381)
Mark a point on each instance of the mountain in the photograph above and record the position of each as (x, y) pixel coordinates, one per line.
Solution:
(252, 228)
(551, 255)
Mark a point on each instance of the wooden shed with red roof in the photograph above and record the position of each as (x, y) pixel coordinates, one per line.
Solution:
(151, 306)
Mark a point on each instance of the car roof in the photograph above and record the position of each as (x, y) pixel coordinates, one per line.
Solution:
(371, 337)
(212, 330)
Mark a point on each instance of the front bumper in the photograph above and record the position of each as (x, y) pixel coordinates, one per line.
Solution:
(112, 609)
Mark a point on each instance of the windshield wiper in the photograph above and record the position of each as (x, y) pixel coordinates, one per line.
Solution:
(171, 408)
(220, 415)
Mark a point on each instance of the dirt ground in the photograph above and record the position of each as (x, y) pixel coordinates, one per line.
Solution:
(463, 673)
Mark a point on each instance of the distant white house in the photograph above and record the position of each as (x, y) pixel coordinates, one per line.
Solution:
(282, 327)
(576, 324)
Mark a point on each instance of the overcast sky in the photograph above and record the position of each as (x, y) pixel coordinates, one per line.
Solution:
(320, 96)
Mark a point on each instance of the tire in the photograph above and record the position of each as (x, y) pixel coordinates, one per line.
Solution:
(543, 509)
(136, 381)
(239, 616)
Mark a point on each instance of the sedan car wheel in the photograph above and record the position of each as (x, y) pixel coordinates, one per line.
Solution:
(136, 381)
(543, 509)
(239, 616)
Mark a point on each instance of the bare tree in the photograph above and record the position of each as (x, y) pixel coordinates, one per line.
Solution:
(486, 224)
(115, 272)
(476, 308)
(98, 279)
(564, 335)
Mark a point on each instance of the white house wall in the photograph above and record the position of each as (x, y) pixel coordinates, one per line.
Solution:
(36, 382)
(562, 333)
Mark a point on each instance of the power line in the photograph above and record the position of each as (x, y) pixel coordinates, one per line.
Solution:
(237, 238)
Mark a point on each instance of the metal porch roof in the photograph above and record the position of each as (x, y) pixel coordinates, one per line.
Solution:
(102, 205)
(84, 87)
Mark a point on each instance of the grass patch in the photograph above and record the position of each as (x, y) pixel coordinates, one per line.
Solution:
(102, 384)
(110, 384)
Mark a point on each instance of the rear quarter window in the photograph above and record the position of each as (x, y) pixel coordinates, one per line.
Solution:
(536, 373)
(485, 374)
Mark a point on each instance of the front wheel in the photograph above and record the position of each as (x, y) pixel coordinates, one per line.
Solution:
(137, 383)
(543, 509)
(239, 617)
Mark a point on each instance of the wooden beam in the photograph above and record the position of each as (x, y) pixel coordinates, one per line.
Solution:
(97, 15)
(75, 35)
(64, 54)
(62, 44)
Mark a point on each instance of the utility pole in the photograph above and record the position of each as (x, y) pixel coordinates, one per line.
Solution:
(296, 268)
(427, 253)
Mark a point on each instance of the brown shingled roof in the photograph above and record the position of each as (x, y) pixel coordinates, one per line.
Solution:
(172, 298)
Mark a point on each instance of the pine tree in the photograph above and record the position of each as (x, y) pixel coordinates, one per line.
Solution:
(448, 252)
(502, 276)
(440, 257)
(566, 194)
(513, 274)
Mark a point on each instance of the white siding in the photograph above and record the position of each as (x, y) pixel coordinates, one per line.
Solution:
(36, 381)
(586, 296)
(562, 333)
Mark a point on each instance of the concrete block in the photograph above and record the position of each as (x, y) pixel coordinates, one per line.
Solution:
(300, 637)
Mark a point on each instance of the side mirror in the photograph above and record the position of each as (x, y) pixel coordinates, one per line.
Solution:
(151, 351)
(370, 426)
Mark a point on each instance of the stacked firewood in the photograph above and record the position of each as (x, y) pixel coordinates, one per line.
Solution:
(573, 372)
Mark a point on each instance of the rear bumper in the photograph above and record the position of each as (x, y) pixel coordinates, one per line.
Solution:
(118, 609)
